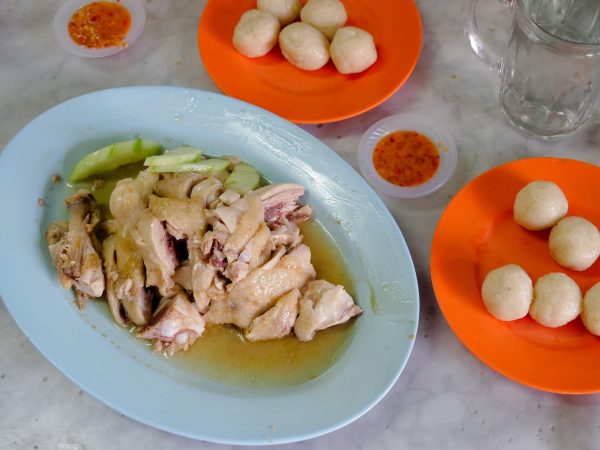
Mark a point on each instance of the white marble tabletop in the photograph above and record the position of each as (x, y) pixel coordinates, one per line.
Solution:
(445, 398)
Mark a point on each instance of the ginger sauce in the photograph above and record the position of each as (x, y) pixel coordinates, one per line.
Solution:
(406, 158)
(100, 25)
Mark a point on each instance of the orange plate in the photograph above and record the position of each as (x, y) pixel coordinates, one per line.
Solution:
(319, 96)
(476, 234)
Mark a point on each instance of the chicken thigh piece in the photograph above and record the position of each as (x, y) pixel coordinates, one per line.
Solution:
(323, 305)
(175, 326)
(278, 321)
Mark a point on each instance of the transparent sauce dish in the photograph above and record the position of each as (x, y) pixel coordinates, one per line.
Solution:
(73, 10)
(429, 157)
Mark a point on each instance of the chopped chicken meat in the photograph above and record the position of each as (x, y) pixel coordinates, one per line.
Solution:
(258, 291)
(203, 275)
(300, 215)
(183, 219)
(130, 283)
(206, 192)
(286, 233)
(157, 250)
(109, 255)
(229, 197)
(128, 202)
(278, 321)
(179, 185)
(175, 326)
(279, 200)
(130, 196)
(242, 260)
(323, 305)
(72, 249)
(258, 249)
(247, 224)
(183, 276)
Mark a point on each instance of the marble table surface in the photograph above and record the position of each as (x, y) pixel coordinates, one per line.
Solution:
(445, 398)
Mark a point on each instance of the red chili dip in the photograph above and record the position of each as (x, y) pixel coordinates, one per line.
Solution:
(100, 25)
(406, 158)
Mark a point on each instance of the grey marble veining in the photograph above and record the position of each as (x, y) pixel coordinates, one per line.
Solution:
(445, 398)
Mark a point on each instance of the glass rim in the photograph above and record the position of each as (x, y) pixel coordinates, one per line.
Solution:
(578, 47)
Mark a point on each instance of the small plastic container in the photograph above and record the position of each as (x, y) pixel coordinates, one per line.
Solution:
(405, 122)
(66, 11)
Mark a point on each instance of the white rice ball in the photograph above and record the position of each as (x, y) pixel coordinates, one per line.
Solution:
(286, 11)
(304, 46)
(256, 33)
(574, 243)
(540, 205)
(556, 300)
(325, 15)
(352, 50)
(590, 313)
(507, 292)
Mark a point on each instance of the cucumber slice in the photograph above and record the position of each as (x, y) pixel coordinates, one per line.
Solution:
(176, 156)
(113, 156)
(202, 166)
(242, 179)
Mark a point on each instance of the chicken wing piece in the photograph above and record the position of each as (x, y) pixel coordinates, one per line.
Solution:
(175, 326)
(72, 250)
(157, 250)
(278, 321)
(260, 289)
(323, 305)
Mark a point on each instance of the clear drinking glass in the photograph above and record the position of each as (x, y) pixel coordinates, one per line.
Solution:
(550, 70)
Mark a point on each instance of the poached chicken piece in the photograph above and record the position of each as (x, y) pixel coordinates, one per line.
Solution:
(257, 292)
(175, 326)
(126, 291)
(278, 321)
(279, 200)
(212, 255)
(72, 250)
(158, 251)
(323, 305)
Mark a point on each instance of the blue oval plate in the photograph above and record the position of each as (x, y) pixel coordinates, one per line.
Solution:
(119, 371)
